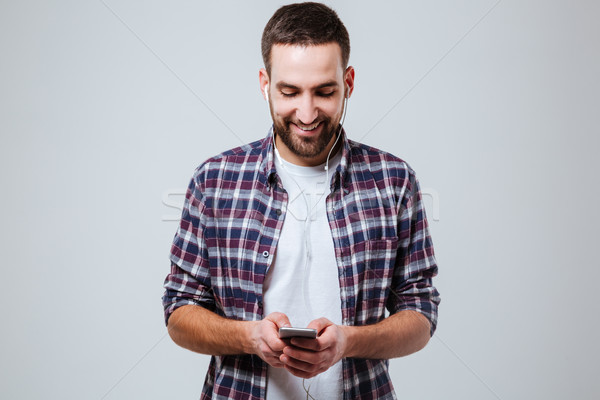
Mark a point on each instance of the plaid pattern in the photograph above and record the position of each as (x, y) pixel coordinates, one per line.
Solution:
(232, 217)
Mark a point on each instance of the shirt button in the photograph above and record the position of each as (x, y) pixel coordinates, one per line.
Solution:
(278, 211)
(265, 254)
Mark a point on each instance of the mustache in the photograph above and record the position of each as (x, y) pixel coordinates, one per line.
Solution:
(319, 119)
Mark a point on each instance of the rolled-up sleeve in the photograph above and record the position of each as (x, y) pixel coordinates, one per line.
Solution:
(412, 287)
(189, 279)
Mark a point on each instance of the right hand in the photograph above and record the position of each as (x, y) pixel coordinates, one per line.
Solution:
(265, 338)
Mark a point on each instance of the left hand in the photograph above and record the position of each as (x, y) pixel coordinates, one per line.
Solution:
(307, 358)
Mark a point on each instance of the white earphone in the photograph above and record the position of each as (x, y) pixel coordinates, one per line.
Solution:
(267, 92)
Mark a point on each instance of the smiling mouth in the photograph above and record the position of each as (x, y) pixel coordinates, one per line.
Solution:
(308, 128)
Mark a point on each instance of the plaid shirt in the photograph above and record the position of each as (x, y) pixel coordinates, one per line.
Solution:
(231, 222)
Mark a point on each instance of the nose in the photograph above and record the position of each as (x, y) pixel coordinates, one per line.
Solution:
(307, 112)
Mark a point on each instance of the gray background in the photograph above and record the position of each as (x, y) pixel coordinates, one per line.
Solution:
(107, 107)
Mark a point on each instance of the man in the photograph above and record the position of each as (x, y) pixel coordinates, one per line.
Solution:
(303, 228)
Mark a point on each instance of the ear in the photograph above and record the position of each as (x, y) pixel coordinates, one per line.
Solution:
(263, 79)
(349, 80)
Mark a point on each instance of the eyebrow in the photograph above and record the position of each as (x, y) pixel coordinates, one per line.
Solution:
(284, 85)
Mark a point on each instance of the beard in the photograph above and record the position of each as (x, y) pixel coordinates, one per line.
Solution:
(305, 147)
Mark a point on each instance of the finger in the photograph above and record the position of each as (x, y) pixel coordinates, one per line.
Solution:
(269, 349)
(297, 364)
(305, 356)
(303, 370)
(280, 319)
(308, 344)
(275, 362)
(276, 345)
(319, 324)
(299, 373)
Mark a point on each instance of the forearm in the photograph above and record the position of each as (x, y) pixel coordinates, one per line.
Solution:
(399, 335)
(198, 329)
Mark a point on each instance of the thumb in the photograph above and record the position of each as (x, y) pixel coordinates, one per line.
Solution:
(320, 324)
(280, 319)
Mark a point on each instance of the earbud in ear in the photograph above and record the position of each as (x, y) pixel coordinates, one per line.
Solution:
(267, 92)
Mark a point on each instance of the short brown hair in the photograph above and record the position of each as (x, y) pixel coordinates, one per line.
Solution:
(304, 24)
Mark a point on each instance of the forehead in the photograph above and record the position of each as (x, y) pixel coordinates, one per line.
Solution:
(306, 65)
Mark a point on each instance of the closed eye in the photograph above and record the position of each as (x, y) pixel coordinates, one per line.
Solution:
(328, 94)
(320, 94)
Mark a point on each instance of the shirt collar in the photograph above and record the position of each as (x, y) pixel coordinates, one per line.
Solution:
(270, 172)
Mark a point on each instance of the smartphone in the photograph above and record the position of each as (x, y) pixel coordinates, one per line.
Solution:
(286, 333)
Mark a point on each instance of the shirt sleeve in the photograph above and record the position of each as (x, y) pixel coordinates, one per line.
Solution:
(412, 287)
(189, 279)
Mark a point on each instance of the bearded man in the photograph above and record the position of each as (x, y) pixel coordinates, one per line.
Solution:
(304, 228)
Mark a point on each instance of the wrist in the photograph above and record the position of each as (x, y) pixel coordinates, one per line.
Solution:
(248, 336)
(349, 340)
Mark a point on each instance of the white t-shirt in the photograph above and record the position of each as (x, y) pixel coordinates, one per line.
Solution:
(303, 280)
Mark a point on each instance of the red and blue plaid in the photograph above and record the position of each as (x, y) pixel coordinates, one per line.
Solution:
(232, 218)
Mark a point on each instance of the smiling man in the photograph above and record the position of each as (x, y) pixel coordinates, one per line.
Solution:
(304, 228)
(310, 83)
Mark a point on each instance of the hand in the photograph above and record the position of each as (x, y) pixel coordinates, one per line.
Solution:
(307, 358)
(265, 338)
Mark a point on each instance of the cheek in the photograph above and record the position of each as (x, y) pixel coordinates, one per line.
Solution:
(331, 109)
(282, 109)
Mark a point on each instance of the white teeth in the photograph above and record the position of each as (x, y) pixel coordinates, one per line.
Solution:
(308, 128)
